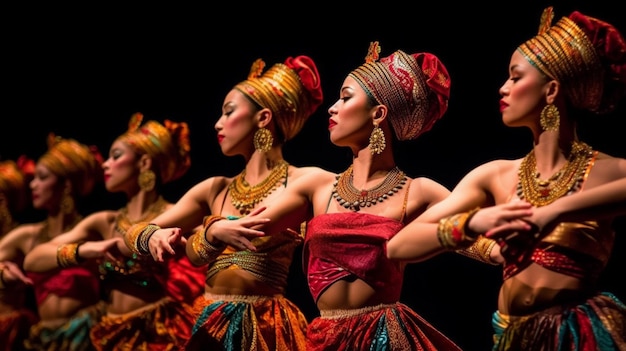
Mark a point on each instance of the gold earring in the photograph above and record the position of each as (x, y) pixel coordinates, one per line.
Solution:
(263, 140)
(146, 180)
(67, 201)
(377, 140)
(550, 119)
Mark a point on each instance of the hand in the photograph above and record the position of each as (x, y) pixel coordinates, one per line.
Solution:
(11, 272)
(239, 233)
(163, 241)
(505, 217)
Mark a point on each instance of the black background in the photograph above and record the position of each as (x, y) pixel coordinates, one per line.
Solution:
(81, 71)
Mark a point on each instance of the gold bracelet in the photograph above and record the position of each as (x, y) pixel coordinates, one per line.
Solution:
(67, 255)
(137, 237)
(480, 250)
(453, 232)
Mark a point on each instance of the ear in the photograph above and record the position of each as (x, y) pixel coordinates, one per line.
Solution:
(67, 187)
(264, 117)
(380, 114)
(145, 162)
(552, 91)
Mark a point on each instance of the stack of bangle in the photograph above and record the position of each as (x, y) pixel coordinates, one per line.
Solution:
(206, 251)
(138, 236)
(67, 255)
(453, 233)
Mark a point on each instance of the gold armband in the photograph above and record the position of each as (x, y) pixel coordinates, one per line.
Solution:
(138, 236)
(453, 233)
(480, 250)
(67, 255)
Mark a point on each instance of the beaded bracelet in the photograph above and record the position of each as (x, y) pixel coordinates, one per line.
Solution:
(138, 236)
(453, 233)
(67, 255)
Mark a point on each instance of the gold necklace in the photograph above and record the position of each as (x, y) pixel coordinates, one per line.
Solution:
(122, 222)
(244, 196)
(567, 180)
(352, 198)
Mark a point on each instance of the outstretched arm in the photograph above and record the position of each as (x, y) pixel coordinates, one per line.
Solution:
(43, 257)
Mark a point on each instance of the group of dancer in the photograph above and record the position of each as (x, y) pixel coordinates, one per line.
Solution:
(210, 270)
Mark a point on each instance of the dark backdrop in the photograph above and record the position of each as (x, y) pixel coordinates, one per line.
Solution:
(81, 71)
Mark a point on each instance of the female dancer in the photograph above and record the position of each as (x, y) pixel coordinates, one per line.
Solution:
(549, 299)
(147, 302)
(66, 300)
(244, 307)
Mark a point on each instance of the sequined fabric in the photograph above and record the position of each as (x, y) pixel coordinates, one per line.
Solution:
(579, 250)
(597, 324)
(162, 326)
(260, 323)
(377, 328)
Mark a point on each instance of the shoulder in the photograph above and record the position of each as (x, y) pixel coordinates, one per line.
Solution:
(310, 173)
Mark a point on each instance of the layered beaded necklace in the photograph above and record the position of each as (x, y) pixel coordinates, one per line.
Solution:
(567, 180)
(352, 198)
(122, 222)
(244, 196)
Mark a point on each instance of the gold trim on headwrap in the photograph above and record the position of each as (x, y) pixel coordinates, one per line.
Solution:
(79, 163)
(280, 90)
(399, 82)
(565, 53)
(167, 144)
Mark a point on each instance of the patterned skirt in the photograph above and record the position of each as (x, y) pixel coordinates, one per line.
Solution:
(599, 323)
(72, 335)
(234, 323)
(376, 328)
(163, 325)
(14, 329)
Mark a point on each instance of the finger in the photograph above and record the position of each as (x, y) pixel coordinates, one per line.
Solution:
(257, 211)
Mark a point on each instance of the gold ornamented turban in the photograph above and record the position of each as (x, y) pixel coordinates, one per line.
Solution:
(586, 55)
(167, 144)
(292, 90)
(14, 178)
(81, 164)
(415, 88)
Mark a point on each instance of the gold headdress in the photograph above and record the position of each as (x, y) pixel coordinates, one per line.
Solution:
(415, 88)
(79, 163)
(564, 52)
(167, 144)
(292, 90)
(14, 178)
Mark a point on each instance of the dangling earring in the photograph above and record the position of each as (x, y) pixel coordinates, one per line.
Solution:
(550, 118)
(377, 140)
(146, 180)
(263, 140)
(67, 201)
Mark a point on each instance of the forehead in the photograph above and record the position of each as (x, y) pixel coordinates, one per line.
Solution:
(121, 145)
